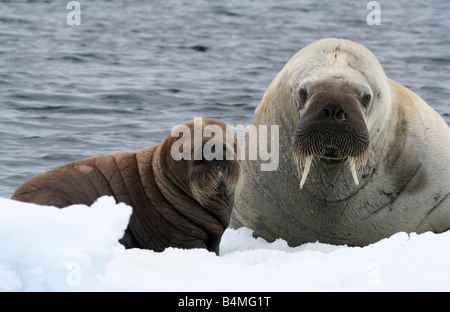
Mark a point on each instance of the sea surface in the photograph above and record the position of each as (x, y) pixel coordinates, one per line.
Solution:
(133, 69)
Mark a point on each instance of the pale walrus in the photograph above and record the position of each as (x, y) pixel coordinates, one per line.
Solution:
(183, 203)
(361, 157)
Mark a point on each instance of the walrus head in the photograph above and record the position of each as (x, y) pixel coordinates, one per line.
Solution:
(205, 151)
(215, 171)
(331, 98)
(332, 128)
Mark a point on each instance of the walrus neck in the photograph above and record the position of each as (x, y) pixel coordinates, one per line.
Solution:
(404, 140)
(173, 185)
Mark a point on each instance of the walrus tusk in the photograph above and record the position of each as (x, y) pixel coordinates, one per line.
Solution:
(308, 162)
(352, 166)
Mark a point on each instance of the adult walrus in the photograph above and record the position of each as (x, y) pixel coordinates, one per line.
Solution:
(182, 203)
(361, 157)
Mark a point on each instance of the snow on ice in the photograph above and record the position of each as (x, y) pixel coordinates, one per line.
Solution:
(76, 249)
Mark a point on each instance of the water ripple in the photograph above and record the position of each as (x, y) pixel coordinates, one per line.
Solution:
(135, 68)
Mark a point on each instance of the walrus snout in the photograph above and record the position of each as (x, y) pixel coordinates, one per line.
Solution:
(333, 130)
(333, 124)
(215, 172)
(214, 182)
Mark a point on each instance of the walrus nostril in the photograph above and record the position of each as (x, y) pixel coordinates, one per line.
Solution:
(326, 113)
(340, 115)
(212, 155)
(330, 113)
(213, 152)
(228, 153)
(219, 156)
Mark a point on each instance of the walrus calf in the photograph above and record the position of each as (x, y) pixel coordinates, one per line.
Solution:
(361, 157)
(182, 193)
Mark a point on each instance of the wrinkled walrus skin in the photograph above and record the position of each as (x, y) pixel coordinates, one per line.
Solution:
(166, 213)
(399, 181)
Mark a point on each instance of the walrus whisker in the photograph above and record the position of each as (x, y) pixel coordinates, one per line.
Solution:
(205, 183)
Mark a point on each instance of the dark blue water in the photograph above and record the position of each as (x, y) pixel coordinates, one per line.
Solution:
(133, 69)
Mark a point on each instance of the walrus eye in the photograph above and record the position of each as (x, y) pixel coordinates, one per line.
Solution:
(366, 99)
(303, 96)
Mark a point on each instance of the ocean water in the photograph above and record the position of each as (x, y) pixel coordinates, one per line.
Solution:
(134, 69)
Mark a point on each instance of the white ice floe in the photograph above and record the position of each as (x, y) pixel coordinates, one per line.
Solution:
(76, 249)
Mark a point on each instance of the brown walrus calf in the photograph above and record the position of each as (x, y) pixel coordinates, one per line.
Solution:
(185, 203)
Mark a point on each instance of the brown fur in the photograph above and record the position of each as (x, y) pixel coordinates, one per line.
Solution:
(166, 213)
